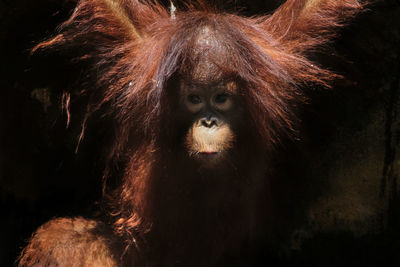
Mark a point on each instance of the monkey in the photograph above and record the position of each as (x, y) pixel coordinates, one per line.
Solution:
(201, 99)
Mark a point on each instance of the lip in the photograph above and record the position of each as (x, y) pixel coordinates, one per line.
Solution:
(208, 153)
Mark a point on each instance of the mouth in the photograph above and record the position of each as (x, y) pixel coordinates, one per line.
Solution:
(208, 153)
(209, 159)
(209, 156)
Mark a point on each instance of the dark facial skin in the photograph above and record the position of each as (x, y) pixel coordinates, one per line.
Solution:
(213, 113)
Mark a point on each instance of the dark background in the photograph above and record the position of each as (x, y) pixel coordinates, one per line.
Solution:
(341, 204)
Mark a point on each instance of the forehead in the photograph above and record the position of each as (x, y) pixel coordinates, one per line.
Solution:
(209, 59)
(229, 86)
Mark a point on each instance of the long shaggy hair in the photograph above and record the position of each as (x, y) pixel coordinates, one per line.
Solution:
(136, 48)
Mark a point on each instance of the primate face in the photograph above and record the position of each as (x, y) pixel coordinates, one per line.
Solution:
(212, 113)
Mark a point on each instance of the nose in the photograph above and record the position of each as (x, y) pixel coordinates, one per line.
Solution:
(209, 122)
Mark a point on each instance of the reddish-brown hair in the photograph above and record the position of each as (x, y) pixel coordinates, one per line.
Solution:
(136, 47)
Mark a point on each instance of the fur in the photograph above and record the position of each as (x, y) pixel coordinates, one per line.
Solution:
(165, 212)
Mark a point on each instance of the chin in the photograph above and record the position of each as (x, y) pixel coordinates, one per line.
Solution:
(210, 160)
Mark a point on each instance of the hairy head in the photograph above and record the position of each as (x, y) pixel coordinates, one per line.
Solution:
(208, 98)
(136, 47)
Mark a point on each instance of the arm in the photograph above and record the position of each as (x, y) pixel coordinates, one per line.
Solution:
(71, 242)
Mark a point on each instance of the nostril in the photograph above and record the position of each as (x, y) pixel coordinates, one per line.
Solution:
(209, 122)
(213, 122)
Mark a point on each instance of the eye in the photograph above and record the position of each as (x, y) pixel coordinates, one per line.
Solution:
(221, 98)
(194, 99)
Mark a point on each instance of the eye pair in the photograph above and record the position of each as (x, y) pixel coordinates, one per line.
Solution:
(219, 99)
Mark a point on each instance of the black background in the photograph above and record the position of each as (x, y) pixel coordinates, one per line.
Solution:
(41, 177)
